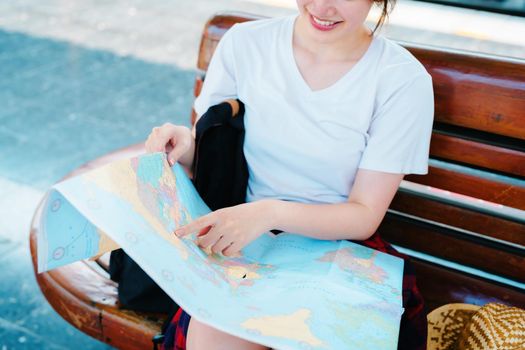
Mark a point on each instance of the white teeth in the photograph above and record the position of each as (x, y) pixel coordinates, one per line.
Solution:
(323, 23)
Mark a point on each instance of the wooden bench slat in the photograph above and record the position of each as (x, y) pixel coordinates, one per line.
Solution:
(478, 154)
(94, 287)
(466, 219)
(78, 312)
(497, 192)
(214, 30)
(467, 95)
(126, 329)
(441, 285)
(463, 249)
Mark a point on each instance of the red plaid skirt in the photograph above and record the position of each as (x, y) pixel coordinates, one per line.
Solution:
(413, 331)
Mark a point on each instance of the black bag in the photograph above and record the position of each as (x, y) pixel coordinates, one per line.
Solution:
(221, 181)
(136, 290)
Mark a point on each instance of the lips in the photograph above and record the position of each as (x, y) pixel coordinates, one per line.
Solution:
(323, 25)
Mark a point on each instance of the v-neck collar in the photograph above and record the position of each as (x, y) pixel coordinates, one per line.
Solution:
(345, 77)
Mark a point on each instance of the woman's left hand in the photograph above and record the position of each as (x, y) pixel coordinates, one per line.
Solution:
(228, 230)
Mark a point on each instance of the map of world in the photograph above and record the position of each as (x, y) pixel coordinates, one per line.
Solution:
(285, 291)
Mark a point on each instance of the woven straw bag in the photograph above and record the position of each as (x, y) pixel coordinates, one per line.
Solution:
(471, 327)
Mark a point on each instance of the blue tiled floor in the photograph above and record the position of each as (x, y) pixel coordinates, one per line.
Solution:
(64, 105)
(60, 106)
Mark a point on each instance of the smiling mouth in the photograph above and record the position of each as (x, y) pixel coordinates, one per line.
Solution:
(323, 24)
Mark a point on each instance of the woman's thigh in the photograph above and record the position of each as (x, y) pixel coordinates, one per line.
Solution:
(201, 336)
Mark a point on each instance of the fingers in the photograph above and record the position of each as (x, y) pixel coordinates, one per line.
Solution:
(216, 231)
(234, 105)
(174, 140)
(179, 147)
(208, 234)
(156, 140)
(221, 244)
(160, 137)
(233, 250)
(199, 224)
(218, 241)
(210, 239)
(150, 141)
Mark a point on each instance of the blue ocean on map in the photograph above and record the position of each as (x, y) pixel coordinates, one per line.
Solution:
(285, 291)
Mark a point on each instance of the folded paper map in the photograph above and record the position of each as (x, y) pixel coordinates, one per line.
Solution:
(285, 291)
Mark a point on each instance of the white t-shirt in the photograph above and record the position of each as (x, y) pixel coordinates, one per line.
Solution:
(307, 146)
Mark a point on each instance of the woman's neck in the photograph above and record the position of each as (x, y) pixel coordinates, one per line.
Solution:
(348, 48)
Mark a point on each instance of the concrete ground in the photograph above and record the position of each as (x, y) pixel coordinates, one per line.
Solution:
(81, 78)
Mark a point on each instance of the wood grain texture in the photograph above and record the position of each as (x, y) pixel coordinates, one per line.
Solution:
(199, 81)
(478, 92)
(478, 154)
(473, 186)
(460, 249)
(213, 32)
(440, 285)
(490, 226)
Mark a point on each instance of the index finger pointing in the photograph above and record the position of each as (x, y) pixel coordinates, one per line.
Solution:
(195, 225)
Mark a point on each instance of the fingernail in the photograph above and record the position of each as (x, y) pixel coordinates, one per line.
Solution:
(171, 161)
(177, 233)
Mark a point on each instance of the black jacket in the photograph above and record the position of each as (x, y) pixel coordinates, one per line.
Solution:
(220, 173)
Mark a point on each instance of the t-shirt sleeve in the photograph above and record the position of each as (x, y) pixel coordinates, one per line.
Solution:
(220, 80)
(400, 130)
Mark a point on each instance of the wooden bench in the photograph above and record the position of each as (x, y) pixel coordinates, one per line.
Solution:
(463, 223)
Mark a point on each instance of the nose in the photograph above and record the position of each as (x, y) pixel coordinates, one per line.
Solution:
(323, 8)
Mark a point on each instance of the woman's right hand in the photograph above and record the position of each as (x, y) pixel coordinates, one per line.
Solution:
(175, 140)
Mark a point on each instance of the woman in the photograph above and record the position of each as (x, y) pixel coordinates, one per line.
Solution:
(335, 117)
